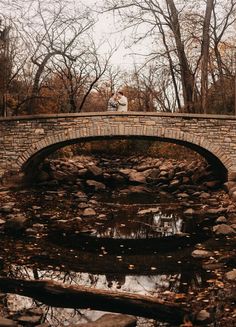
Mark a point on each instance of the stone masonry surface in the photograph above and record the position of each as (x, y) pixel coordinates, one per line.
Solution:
(23, 137)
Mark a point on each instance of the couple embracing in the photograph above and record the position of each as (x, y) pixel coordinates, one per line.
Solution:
(118, 102)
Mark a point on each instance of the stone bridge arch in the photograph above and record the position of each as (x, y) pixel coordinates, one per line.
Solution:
(213, 153)
(26, 140)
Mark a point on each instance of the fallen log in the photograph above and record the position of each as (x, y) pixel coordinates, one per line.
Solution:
(69, 296)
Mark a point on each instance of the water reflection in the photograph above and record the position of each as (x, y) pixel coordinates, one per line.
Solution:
(138, 284)
(56, 317)
(129, 225)
(129, 253)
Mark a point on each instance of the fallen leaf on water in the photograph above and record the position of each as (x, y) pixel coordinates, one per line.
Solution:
(180, 296)
(216, 282)
(187, 324)
(211, 281)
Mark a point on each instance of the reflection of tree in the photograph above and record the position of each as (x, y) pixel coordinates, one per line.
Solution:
(52, 315)
(143, 285)
(115, 280)
(125, 225)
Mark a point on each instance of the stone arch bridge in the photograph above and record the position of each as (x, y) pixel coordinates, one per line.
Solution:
(27, 140)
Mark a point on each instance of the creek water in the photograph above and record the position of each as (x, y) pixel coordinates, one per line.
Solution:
(144, 247)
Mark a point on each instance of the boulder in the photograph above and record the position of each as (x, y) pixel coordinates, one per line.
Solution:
(137, 177)
(203, 316)
(138, 189)
(152, 173)
(229, 185)
(118, 178)
(82, 172)
(204, 195)
(7, 208)
(223, 229)
(164, 173)
(80, 195)
(215, 211)
(145, 168)
(96, 185)
(201, 254)
(189, 212)
(94, 170)
(16, 223)
(174, 184)
(231, 275)
(88, 212)
(82, 205)
(221, 220)
(182, 195)
(126, 171)
(233, 196)
(212, 184)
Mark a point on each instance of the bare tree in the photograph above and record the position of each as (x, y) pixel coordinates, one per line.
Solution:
(5, 65)
(205, 54)
(162, 18)
(181, 33)
(57, 33)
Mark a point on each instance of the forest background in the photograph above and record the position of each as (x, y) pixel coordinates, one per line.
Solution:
(180, 54)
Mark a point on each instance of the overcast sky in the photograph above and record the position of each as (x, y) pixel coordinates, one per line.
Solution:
(107, 28)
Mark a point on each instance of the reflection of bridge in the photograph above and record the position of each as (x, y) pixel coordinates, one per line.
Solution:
(25, 141)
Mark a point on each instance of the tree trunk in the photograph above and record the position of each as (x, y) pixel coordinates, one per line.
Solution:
(172, 73)
(58, 295)
(205, 55)
(187, 78)
(39, 72)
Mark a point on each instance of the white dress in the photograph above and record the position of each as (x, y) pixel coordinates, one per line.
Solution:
(122, 104)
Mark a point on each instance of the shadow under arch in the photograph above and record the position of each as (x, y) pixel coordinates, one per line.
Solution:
(30, 160)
